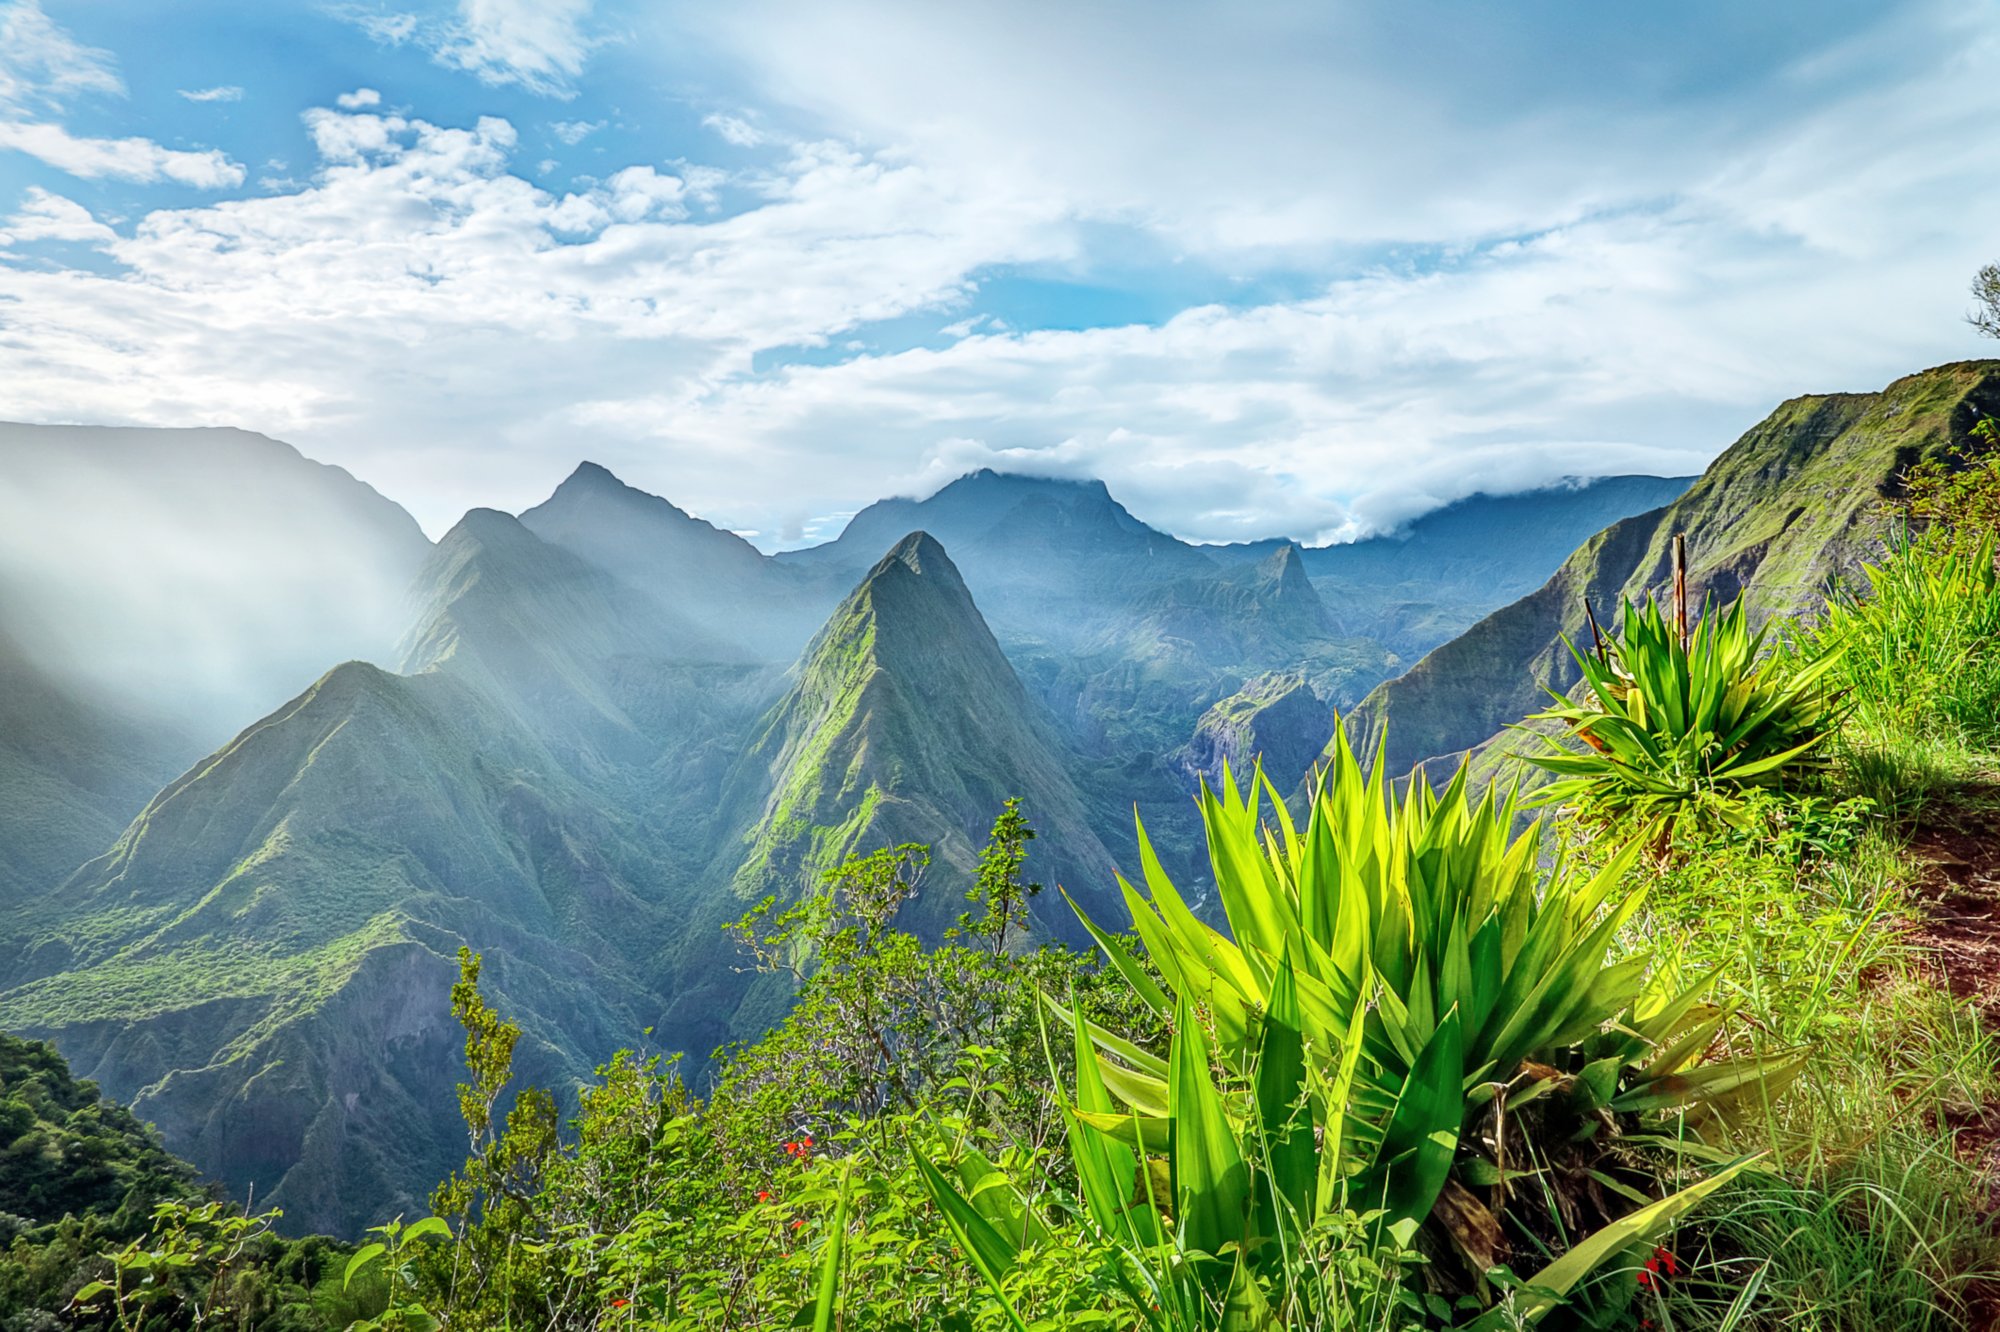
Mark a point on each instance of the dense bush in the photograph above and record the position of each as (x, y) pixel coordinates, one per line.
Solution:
(1679, 727)
(1421, 1042)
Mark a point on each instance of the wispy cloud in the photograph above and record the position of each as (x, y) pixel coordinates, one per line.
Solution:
(227, 93)
(573, 132)
(42, 67)
(45, 216)
(359, 99)
(132, 159)
(537, 44)
(734, 129)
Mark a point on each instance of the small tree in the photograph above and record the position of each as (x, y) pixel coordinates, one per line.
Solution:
(998, 885)
(1985, 314)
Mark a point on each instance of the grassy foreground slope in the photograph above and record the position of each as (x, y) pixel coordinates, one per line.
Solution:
(1791, 503)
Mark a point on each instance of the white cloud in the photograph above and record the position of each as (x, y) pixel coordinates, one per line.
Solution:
(388, 29)
(573, 132)
(359, 99)
(42, 67)
(44, 216)
(122, 159)
(421, 301)
(734, 129)
(422, 313)
(1301, 127)
(228, 93)
(538, 44)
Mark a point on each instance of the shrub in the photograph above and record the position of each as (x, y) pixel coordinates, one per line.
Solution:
(1679, 727)
(1409, 1034)
(1918, 649)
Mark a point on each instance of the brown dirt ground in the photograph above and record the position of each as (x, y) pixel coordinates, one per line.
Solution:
(1958, 847)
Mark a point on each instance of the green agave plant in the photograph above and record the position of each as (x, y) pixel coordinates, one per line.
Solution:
(1679, 725)
(1406, 1019)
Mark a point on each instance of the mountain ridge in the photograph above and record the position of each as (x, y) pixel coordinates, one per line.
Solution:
(1792, 503)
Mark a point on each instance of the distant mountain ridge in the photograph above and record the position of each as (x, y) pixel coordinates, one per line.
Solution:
(609, 728)
(691, 568)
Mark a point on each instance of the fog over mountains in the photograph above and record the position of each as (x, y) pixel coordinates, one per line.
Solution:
(269, 756)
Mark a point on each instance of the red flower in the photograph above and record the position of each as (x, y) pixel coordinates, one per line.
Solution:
(799, 1222)
(620, 1304)
(1661, 1264)
(763, 1195)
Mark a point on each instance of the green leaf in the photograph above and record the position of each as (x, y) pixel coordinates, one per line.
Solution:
(363, 1256)
(1281, 1081)
(430, 1225)
(1211, 1180)
(991, 1257)
(826, 1305)
(1415, 1157)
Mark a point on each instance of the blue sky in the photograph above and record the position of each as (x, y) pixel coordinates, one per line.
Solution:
(1266, 268)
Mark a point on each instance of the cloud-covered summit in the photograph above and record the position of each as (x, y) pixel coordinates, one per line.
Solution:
(1292, 270)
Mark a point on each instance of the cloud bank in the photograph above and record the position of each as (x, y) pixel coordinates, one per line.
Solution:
(1387, 263)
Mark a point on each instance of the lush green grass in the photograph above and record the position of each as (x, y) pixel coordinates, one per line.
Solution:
(1868, 1218)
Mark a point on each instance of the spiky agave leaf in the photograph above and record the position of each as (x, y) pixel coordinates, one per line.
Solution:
(1677, 728)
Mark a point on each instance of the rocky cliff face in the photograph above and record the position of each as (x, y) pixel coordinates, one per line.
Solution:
(1275, 719)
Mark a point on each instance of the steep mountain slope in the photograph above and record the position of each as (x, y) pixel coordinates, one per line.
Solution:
(206, 574)
(905, 723)
(1274, 719)
(693, 569)
(573, 654)
(1791, 504)
(260, 964)
(73, 772)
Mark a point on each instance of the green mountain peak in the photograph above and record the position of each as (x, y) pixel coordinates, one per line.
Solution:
(905, 722)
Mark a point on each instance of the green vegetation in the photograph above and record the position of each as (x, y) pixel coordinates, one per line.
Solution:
(1405, 1010)
(1682, 725)
(1794, 503)
(1398, 1059)
(95, 1214)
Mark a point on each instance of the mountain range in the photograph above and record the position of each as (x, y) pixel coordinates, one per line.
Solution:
(589, 735)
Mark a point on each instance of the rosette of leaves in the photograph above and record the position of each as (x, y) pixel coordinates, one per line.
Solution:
(1409, 1031)
(1677, 726)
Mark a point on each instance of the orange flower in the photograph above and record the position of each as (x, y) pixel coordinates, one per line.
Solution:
(620, 1304)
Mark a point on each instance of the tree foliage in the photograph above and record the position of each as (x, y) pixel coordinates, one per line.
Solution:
(1985, 314)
